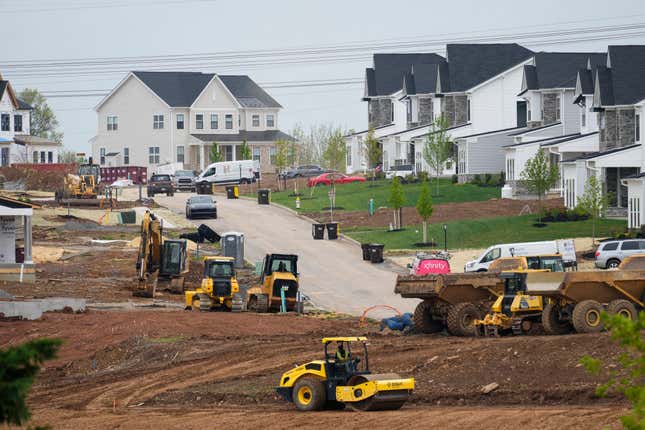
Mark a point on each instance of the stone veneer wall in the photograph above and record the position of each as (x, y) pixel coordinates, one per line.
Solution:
(549, 107)
(379, 112)
(455, 109)
(425, 110)
(618, 130)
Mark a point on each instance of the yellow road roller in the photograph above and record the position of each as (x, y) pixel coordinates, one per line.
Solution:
(343, 378)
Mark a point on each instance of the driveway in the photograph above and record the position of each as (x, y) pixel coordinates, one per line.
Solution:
(332, 272)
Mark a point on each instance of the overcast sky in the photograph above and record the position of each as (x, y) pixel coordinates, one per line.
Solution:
(77, 29)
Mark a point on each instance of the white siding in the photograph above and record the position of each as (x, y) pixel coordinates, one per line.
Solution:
(570, 113)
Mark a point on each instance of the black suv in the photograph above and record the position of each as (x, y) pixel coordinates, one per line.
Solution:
(159, 184)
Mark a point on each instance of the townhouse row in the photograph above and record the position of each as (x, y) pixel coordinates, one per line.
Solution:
(503, 103)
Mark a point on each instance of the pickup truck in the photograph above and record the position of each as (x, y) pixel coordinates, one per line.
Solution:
(160, 184)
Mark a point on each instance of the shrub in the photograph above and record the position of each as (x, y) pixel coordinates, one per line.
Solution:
(477, 179)
(454, 179)
(410, 179)
(488, 179)
(423, 176)
(502, 179)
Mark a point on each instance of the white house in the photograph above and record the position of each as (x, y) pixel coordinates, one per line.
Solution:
(153, 118)
(15, 120)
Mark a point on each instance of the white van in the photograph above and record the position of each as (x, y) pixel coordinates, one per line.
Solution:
(230, 172)
(564, 247)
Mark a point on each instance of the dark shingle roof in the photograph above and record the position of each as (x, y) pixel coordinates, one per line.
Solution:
(180, 89)
(3, 86)
(586, 81)
(387, 75)
(530, 130)
(177, 89)
(627, 73)
(604, 82)
(530, 78)
(247, 92)
(23, 105)
(472, 64)
(249, 136)
(568, 138)
(609, 151)
(544, 139)
(422, 79)
(558, 69)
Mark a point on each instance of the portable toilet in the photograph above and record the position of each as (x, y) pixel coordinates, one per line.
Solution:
(233, 246)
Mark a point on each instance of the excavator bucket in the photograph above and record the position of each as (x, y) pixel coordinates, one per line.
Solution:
(544, 283)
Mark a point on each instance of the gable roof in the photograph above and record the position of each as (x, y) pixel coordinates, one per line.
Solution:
(386, 77)
(247, 92)
(23, 105)
(470, 64)
(627, 64)
(422, 79)
(6, 86)
(558, 69)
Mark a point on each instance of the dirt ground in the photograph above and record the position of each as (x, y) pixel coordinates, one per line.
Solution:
(441, 213)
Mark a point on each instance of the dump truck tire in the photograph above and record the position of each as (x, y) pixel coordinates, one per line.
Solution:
(622, 307)
(423, 321)
(309, 394)
(460, 319)
(551, 320)
(586, 317)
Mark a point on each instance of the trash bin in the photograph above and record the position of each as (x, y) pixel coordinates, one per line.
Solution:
(264, 196)
(332, 230)
(233, 246)
(204, 187)
(208, 233)
(376, 252)
(232, 192)
(318, 231)
(365, 247)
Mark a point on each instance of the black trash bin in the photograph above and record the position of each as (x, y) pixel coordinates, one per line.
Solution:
(204, 187)
(318, 231)
(332, 230)
(376, 252)
(263, 196)
(232, 192)
(365, 247)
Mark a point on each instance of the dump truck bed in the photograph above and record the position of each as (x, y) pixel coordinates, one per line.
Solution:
(451, 287)
(602, 286)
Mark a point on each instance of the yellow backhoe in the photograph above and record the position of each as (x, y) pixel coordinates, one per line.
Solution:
(82, 188)
(159, 260)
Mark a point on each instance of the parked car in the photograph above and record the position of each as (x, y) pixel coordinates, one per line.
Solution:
(303, 171)
(159, 184)
(401, 172)
(201, 206)
(338, 178)
(184, 180)
(612, 252)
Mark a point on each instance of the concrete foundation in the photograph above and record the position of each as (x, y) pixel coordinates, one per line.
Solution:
(34, 309)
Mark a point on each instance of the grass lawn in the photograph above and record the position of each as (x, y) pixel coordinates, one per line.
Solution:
(356, 196)
(483, 233)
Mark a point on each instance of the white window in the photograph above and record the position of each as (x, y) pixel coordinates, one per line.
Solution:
(228, 122)
(583, 118)
(34, 156)
(272, 155)
(557, 108)
(256, 154)
(638, 128)
(50, 157)
(102, 156)
(112, 123)
(126, 155)
(42, 156)
(17, 123)
(214, 121)
(270, 121)
(348, 150)
(180, 154)
(199, 121)
(153, 154)
(180, 121)
(157, 122)
(256, 120)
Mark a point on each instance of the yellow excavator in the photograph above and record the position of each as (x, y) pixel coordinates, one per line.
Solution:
(515, 311)
(279, 283)
(165, 261)
(343, 378)
(219, 289)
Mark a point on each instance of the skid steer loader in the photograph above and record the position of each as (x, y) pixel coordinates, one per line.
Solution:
(219, 289)
(343, 378)
(279, 278)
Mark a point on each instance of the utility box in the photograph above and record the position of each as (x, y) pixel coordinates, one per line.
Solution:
(233, 246)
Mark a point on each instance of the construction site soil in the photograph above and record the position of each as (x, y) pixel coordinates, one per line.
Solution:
(163, 367)
(441, 213)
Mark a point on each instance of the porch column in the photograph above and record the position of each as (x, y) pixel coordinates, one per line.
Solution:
(202, 155)
(27, 238)
(234, 149)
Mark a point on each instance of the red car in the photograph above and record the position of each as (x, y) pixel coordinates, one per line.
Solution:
(338, 178)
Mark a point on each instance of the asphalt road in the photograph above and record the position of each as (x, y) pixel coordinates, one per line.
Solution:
(332, 272)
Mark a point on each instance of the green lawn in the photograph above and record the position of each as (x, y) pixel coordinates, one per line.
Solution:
(356, 196)
(483, 233)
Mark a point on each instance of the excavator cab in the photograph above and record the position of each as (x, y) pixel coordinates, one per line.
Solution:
(173, 258)
(334, 382)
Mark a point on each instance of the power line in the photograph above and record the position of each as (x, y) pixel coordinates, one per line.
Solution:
(103, 6)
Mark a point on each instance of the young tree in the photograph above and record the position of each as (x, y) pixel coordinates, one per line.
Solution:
(373, 151)
(281, 157)
(245, 151)
(215, 155)
(539, 176)
(628, 380)
(43, 120)
(336, 151)
(397, 200)
(593, 201)
(19, 365)
(424, 208)
(438, 148)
